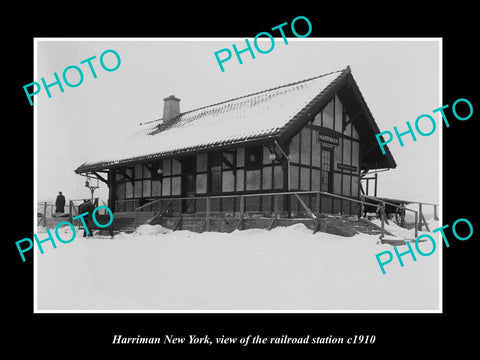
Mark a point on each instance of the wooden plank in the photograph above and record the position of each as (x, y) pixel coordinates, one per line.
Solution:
(420, 212)
(178, 224)
(45, 214)
(272, 222)
(309, 212)
(100, 177)
(422, 220)
(203, 226)
(160, 213)
(207, 215)
(318, 202)
(242, 212)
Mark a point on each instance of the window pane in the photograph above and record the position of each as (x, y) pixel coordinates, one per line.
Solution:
(253, 156)
(129, 172)
(346, 184)
(266, 156)
(216, 160)
(293, 177)
(120, 191)
(253, 180)
(315, 150)
(156, 188)
(337, 153)
(128, 190)
(277, 177)
(355, 153)
(304, 178)
(240, 157)
(216, 176)
(348, 128)
(176, 185)
(228, 181)
(305, 144)
(354, 133)
(138, 188)
(166, 186)
(202, 162)
(240, 180)
(315, 180)
(327, 114)
(294, 148)
(201, 183)
(267, 178)
(229, 158)
(338, 114)
(176, 167)
(146, 172)
(147, 188)
(138, 171)
(355, 186)
(346, 152)
(166, 167)
(337, 179)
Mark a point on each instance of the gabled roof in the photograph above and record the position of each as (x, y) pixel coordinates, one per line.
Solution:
(270, 114)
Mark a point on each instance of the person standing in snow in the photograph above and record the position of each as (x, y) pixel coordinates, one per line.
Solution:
(60, 203)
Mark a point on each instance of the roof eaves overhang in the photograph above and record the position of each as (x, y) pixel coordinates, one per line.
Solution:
(87, 168)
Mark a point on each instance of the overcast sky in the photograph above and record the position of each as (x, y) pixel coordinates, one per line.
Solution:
(399, 79)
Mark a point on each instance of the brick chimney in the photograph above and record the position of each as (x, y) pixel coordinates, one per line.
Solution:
(171, 108)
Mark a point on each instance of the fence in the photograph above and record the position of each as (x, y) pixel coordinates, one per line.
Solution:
(46, 211)
(309, 204)
(421, 214)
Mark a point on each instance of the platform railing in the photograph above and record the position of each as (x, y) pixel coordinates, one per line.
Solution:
(273, 205)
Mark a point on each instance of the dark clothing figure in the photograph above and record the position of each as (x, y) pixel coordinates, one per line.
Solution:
(60, 203)
(86, 207)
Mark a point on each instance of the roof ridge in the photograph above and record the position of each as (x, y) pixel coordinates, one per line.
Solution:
(347, 69)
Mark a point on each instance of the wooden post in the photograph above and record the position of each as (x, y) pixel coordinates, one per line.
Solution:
(318, 203)
(376, 180)
(70, 217)
(275, 213)
(242, 212)
(421, 215)
(435, 215)
(422, 219)
(207, 215)
(45, 214)
(416, 224)
(402, 216)
(382, 219)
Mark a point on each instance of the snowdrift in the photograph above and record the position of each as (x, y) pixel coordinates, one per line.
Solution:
(285, 269)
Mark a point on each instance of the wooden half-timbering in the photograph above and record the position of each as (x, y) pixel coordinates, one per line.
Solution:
(315, 135)
(322, 156)
(325, 156)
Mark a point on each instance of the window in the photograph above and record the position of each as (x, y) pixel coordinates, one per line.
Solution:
(253, 157)
(326, 170)
(216, 172)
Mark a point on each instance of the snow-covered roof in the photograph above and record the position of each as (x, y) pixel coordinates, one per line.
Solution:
(256, 116)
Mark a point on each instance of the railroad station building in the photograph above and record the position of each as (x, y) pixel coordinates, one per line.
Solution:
(288, 150)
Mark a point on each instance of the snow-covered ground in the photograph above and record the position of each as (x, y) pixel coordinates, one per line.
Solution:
(283, 269)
